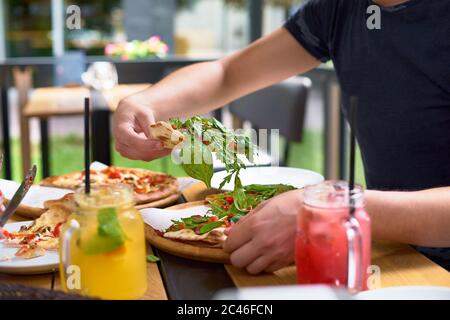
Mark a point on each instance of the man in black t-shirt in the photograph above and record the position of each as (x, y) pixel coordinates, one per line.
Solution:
(400, 70)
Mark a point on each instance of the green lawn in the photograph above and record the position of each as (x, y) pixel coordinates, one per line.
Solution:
(67, 156)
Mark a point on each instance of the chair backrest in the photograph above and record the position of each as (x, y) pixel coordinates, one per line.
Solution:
(281, 106)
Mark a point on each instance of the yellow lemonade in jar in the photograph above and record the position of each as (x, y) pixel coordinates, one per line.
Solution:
(104, 245)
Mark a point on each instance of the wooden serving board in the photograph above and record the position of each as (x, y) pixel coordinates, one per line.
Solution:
(184, 250)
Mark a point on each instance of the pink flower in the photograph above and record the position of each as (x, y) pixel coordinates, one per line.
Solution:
(110, 49)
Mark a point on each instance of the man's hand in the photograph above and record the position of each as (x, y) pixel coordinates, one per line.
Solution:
(131, 132)
(264, 240)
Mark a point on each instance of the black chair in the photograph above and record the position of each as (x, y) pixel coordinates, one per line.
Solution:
(281, 106)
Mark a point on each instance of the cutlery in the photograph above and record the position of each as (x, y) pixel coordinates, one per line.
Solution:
(18, 196)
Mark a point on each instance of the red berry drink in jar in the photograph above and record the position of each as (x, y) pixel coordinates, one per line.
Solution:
(333, 243)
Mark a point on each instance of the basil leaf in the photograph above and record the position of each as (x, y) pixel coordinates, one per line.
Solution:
(153, 259)
(196, 167)
(210, 226)
(110, 235)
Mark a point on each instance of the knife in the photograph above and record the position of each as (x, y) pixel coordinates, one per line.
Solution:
(18, 196)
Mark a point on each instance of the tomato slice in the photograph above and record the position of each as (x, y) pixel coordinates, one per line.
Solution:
(6, 234)
(230, 200)
(140, 190)
(156, 179)
(213, 219)
(57, 230)
(113, 173)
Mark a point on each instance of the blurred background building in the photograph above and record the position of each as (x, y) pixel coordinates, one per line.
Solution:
(33, 33)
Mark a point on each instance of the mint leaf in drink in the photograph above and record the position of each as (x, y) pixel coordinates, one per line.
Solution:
(110, 235)
(153, 259)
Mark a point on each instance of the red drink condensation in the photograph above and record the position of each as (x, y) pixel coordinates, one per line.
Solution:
(321, 242)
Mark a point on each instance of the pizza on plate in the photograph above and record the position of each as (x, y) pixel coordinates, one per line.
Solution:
(43, 233)
(148, 186)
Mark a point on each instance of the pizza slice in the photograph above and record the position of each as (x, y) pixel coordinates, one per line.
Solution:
(225, 210)
(43, 233)
(200, 230)
(148, 186)
(169, 136)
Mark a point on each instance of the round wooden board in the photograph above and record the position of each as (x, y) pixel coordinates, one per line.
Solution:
(184, 250)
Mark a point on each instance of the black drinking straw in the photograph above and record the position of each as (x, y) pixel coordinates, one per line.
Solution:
(87, 149)
(351, 187)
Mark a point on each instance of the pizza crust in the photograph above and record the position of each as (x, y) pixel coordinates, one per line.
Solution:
(214, 238)
(169, 136)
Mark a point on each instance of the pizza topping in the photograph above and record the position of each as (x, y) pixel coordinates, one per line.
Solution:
(112, 173)
(5, 234)
(30, 251)
(199, 224)
(42, 234)
(57, 230)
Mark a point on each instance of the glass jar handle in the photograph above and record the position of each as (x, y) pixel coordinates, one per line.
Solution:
(65, 252)
(355, 259)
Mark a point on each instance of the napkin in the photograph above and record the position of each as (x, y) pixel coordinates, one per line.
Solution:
(36, 196)
(161, 219)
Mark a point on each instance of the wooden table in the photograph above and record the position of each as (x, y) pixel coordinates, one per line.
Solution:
(400, 266)
(49, 102)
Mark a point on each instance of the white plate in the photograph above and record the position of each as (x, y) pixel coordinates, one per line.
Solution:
(298, 178)
(44, 264)
(406, 293)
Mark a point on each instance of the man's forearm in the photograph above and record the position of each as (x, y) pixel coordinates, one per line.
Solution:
(420, 218)
(195, 89)
(203, 87)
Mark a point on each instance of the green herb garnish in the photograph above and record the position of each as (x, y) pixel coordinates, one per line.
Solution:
(207, 135)
(153, 259)
(210, 226)
(110, 235)
(199, 161)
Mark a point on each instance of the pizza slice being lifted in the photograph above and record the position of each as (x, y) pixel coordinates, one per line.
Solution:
(169, 136)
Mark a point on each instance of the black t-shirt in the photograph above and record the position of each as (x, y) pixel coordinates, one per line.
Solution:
(401, 75)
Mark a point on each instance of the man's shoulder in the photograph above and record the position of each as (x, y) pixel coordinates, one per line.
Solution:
(332, 5)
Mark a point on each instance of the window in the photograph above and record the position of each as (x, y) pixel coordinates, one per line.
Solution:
(102, 22)
(211, 27)
(28, 28)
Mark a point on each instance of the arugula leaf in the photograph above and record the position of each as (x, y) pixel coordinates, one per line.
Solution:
(210, 226)
(110, 235)
(219, 139)
(198, 162)
(240, 197)
(153, 259)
